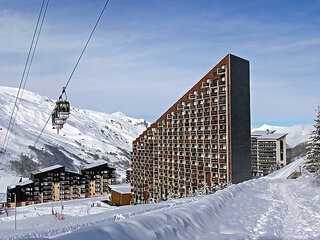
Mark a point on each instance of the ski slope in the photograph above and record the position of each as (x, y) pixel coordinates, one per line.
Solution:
(270, 207)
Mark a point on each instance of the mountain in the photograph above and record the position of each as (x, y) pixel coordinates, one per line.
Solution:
(86, 137)
(296, 134)
(298, 151)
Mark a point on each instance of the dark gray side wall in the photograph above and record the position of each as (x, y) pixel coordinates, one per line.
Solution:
(240, 120)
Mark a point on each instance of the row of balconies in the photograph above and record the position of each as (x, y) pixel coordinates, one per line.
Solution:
(172, 158)
(158, 142)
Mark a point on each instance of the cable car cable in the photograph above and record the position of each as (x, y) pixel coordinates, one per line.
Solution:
(21, 81)
(94, 28)
(29, 67)
(75, 67)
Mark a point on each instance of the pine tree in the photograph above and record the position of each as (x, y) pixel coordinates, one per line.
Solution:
(312, 163)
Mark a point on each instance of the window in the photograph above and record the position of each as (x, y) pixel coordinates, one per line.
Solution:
(223, 146)
(223, 137)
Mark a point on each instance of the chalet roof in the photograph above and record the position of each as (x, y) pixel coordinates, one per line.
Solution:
(262, 132)
(123, 188)
(274, 136)
(95, 164)
(72, 171)
(267, 134)
(23, 183)
(47, 169)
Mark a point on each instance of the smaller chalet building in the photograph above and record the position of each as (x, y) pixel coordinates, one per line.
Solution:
(97, 178)
(56, 183)
(23, 190)
(121, 194)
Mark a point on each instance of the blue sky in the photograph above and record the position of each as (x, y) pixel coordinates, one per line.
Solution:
(146, 54)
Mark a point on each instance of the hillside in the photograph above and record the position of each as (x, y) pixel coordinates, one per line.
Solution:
(86, 137)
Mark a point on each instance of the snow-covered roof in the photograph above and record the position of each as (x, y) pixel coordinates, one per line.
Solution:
(72, 171)
(49, 168)
(3, 197)
(123, 188)
(272, 136)
(258, 133)
(262, 132)
(24, 183)
(268, 134)
(95, 164)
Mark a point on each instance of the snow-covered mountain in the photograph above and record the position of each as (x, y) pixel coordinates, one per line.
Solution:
(296, 133)
(86, 137)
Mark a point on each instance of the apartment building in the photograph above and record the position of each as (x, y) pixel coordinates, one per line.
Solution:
(203, 139)
(268, 151)
(56, 183)
(97, 178)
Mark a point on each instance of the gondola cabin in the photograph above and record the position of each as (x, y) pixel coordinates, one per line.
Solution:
(63, 109)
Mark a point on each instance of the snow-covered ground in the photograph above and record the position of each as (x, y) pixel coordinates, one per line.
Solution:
(270, 207)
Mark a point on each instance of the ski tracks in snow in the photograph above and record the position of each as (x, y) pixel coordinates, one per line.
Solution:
(300, 209)
(290, 214)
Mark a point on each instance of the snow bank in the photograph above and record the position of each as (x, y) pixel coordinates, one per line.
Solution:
(177, 222)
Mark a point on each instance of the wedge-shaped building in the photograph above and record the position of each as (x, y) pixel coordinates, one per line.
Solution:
(203, 139)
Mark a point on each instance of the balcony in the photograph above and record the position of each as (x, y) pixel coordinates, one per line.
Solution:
(206, 84)
(221, 71)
